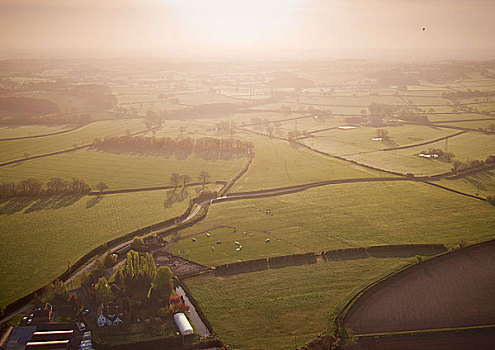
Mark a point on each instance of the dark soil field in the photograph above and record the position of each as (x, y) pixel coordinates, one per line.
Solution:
(454, 290)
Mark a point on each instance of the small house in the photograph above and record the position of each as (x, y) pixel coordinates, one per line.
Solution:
(110, 315)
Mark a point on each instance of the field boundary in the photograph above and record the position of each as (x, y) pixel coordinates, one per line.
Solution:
(426, 142)
(44, 135)
(280, 261)
(153, 188)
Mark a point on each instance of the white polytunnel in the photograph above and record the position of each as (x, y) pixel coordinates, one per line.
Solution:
(181, 321)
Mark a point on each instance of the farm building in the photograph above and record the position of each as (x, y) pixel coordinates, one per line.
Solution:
(183, 324)
(42, 315)
(109, 315)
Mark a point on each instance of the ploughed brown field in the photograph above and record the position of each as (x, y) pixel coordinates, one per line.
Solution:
(454, 290)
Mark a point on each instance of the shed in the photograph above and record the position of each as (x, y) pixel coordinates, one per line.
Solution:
(181, 321)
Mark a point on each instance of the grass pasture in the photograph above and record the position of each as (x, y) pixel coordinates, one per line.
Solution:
(342, 142)
(479, 184)
(120, 170)
(30, 130)
(37, 244)
(16, 149)
(278, 163)
(337, 216)
(282, 308)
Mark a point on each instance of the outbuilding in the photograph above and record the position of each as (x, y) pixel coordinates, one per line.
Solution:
(183, 324)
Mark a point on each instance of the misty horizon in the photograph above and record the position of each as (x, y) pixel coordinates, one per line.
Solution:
(218, 29)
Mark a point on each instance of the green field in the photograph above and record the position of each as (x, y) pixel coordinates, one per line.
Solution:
(472, 145)
(120, 170)
(342, 142)
(16, 149)
(37, 245)
(278, 163)
(479, 184)
(30, 130)
(454, 116)
(282, 308)
(337, 216)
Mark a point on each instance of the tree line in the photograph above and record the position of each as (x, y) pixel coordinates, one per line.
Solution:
(379, 110)
(32, 187)
(205, 147)
(459, 167)
(457, 95)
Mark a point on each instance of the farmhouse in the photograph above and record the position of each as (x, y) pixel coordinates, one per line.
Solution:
(42, 315)
(109, 315)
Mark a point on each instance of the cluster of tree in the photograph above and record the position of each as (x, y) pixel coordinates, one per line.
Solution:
(34, 188)
(441, 72)
(457, 95)
(382, 110)
(176, 180)
(382, 133)
(385, 111)
(490, 128)
(202, 110)
(176, 304)
(205, 147)
(266, 126)
(459, 167)
(27, 105)
(290, 80)
(395, 77)
(442, 155)
(153, 119)
(91, 97)
(140, 279)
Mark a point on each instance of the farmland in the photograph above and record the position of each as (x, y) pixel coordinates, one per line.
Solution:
(281, 308)
(337, 216)
(328, 171)
(422, 297)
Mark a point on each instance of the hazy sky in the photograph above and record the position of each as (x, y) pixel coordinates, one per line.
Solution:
(252, 27)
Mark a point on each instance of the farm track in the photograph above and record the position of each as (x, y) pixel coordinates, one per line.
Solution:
(450, 291)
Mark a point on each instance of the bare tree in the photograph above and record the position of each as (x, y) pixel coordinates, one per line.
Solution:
(185, 180)
(203, 176)
(174, 180)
